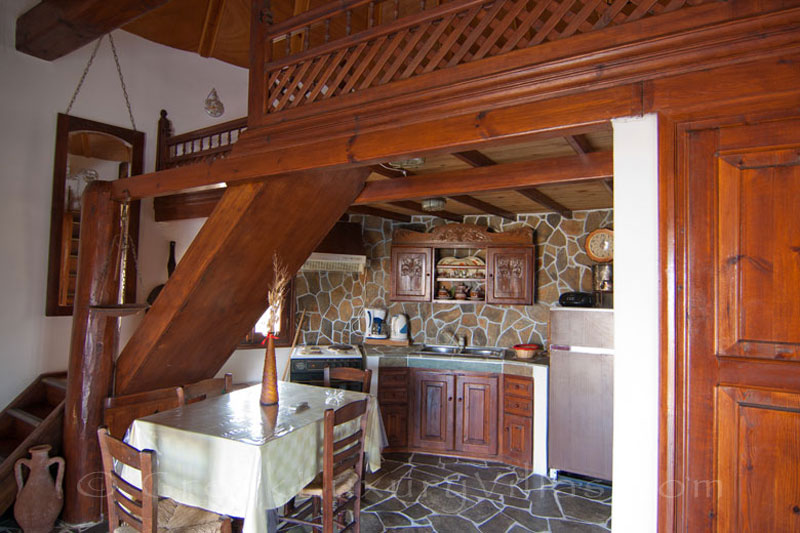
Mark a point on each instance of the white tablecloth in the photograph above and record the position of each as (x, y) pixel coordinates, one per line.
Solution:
(232, 456)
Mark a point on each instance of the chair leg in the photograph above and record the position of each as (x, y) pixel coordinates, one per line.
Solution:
(357, 508)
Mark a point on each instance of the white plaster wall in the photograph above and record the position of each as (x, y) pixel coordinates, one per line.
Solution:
(636, 324)
(32, 92)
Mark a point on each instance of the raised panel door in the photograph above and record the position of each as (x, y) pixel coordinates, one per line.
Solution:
(411, 274)
(433, 410)
(476, 414)
(518, 438)
(510, 275)
(758, 448)
(395, 421)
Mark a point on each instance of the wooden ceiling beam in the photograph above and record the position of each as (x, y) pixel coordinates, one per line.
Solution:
(208, 36)
(579, 143)
(475, 158)
(52, 29)
(507, 176)
(416, 206)
(539, 197)
(389, 172)
(609, 184)
(378, 212)
(486, 207)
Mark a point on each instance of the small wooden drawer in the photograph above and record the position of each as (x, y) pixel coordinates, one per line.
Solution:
(517, 406)
(518, 386)
(393, 395)
(393, 378)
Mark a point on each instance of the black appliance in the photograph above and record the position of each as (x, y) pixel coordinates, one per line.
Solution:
(576, 299)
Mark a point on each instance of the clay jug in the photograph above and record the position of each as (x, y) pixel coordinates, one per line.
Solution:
(39, 500)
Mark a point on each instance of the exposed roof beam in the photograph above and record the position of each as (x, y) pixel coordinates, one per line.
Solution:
(484, 206)
(540, 198)
(579, 143)
(53, 29)
(389, 172)
(378, 212)
(503, 177)
(416, 206)
(609, 184)
(475, 158)
(208, 37)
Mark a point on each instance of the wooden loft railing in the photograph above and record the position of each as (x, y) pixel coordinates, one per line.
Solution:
(207, 144)
(304, 65)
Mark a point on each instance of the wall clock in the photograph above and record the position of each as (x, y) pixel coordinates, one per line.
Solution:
(600, 245)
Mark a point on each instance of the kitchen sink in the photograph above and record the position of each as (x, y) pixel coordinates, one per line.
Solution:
(457, 351)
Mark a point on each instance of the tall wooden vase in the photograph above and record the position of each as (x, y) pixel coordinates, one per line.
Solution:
(269, 381)
(39, 499)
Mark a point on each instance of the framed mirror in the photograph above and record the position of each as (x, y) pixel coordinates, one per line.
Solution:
(85, 151)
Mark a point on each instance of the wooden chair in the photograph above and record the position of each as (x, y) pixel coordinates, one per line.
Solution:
(208, 388)
(342, 465)
(131, 509)
(348, 374)
(120, 411)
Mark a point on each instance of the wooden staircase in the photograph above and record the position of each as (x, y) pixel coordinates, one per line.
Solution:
(34, 417)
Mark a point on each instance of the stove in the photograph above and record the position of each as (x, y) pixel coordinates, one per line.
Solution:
(309, 361)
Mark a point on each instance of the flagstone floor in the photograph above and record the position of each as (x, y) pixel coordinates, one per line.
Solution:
(424, 493)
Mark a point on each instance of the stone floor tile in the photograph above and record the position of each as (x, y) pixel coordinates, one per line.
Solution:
(390, 504)
(491, 473)
(417, 511)
(534, 481)
(421, 475)
(413, 529)
(480, 512)
(452, 524)
(444, 501)
(466, 490)
(425, 459)
(508, 479)
(585, 490)
(525, 519)
(408, 490)
(435, 470)
(390, 479)
(370, 523)
(543, 503)
(373, 496)
(394, 519)
(583, 509)
(520, 503)
(569, 526)
(498, 523)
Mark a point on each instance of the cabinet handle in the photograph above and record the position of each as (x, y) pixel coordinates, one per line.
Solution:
(460, 399)
(450, 399)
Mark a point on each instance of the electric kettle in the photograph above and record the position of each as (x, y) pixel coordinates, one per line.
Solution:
(399, 327)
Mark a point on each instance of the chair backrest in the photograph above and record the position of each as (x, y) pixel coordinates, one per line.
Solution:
(343, 454)
(208, 388)
(120, 411)
(135, 507)
(348, 374)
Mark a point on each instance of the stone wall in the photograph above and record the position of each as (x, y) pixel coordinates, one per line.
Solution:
(334, 301)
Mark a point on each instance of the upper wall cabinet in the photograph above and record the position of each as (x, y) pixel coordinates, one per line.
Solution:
(463, 263)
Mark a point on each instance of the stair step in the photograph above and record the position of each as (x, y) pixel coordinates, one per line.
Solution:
(60, 383)
(24, 416)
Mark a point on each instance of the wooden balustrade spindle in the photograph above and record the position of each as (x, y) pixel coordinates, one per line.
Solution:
(349, 15)
(371, 15)
(327, 30)
(307, 37)
(396, 9)
(288, 40)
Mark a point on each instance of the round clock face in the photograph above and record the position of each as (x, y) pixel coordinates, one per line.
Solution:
(600, 245)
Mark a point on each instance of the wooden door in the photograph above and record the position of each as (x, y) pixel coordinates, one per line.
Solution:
(395, 421)
(738, 401)
(476, 414)
(510, 272)
(411, 274)
(518, 439)
(433, 410)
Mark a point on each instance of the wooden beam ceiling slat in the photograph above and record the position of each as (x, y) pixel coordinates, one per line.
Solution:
(475, 158)
(486, 207)
(375, 211)
(486, 179)
(50, 30)
(211, 24)
(416, 206)
(579, 143)
(541, 198)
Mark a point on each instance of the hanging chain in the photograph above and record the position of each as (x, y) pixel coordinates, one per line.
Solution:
(83, 76)
(119, 71)
(122, 80)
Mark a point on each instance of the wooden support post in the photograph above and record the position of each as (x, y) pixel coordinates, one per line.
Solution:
(93, 342)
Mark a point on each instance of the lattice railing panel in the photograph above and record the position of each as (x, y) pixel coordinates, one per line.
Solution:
(451, 34)
(203, 145)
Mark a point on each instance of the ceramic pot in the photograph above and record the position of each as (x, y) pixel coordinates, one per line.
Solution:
(39, 499)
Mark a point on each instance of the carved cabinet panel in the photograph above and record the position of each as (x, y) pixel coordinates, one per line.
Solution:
(432, 415)
(510, 275)
(476, 414)
(411, 274)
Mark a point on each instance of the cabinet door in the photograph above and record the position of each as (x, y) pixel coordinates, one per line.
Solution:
(758, 448)
(395, 421)
(476, 414)
(411, 274)
(510, 272)
(433, 410)
(518, 438)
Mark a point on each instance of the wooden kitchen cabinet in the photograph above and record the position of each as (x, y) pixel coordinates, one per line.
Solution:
(476, 414)
(411, 274)
(432, 415)
(510, 276)
(393, 401)
(517, 433)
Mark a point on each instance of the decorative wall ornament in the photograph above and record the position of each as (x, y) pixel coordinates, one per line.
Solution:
(213, 105)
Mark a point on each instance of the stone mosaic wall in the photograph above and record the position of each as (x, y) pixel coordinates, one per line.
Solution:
(334, 301)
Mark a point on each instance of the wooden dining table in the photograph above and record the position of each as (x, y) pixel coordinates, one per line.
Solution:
(232, 456)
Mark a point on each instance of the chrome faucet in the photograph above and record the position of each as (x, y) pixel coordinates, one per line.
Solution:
(459, 340)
